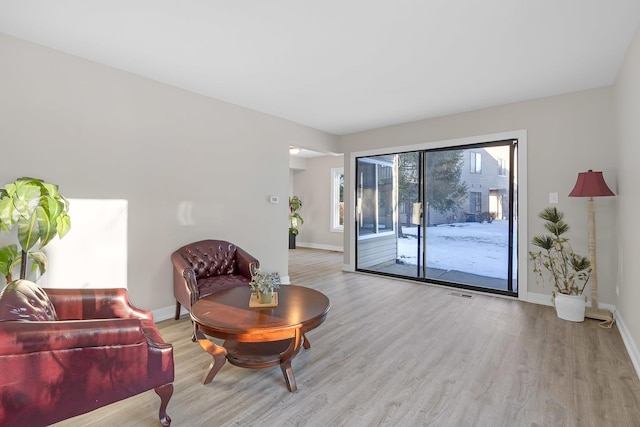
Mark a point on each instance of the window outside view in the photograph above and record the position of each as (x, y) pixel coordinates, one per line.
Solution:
(337, 199)
(461, 235)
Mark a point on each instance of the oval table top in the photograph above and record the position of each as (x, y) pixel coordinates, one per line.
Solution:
(227, 315)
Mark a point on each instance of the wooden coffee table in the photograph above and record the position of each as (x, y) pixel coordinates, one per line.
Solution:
(258, 337)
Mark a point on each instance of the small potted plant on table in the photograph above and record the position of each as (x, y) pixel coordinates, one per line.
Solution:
(556, 261)
(264, 285)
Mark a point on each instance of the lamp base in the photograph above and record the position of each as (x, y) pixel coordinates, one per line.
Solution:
(599, 314)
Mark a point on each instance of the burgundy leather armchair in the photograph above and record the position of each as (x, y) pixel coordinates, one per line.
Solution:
(69, 351)
(208, 266)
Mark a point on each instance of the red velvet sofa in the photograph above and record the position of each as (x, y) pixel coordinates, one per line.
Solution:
(65, 352)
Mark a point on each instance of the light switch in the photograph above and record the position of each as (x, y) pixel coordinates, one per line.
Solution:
(274, 199)
(553, 198)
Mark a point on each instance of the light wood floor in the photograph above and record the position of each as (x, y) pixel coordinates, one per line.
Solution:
(395, 353)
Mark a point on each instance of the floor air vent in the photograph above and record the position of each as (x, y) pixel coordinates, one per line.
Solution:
(458, 294)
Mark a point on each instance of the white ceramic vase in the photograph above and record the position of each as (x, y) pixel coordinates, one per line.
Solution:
(570, 307)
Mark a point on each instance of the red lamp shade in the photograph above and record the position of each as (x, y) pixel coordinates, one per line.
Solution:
(590, 184)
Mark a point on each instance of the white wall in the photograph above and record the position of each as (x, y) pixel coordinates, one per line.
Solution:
(101, 133)
(627, 103)
(566, 134)
(313, 186)
(72, 259)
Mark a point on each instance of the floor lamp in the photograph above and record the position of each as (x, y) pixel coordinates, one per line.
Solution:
(591, 184)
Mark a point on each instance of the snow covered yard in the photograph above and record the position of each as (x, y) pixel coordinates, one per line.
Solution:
(470, 247)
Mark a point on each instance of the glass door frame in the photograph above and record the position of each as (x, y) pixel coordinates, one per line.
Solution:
(518, 166)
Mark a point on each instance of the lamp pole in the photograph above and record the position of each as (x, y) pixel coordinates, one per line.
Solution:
(594, 312)
(591, 184)
(592, 254)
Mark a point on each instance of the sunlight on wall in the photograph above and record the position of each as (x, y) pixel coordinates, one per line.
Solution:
(94, 252)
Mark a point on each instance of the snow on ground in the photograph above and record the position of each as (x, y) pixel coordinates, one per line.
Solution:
(471, 247)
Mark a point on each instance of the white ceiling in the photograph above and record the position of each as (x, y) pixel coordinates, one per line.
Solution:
(344, 65)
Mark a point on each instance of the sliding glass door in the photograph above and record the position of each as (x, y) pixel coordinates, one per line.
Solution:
(446, 215)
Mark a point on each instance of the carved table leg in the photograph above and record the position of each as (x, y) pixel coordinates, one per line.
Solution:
(219, 356)
(285, 362)
(305, 343)
(287, 371)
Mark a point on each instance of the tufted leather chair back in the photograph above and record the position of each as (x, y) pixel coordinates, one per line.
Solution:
(24, 300)
(207, 266)
(210, 258)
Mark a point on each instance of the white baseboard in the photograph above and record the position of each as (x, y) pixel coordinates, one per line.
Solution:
(545, 299)
(319, 246)
(348, 268)
(541, 299)
(165, 313)
(630, 345)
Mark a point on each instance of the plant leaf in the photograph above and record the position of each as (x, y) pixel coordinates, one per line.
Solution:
(40, 261)
(63, 224)
(551, 214)
(545, 242)
(28, 233)
(46, 220)
(9, 258)
(7, 213)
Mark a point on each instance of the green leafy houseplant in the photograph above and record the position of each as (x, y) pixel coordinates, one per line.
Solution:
(294, 216)
(556, 260)
(264, 284)
(40, 213)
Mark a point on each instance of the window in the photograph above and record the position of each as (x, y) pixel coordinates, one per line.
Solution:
(475, 161)
(475, 202)
(337, 199)
(422, 215)
(502, 167)
(375, 189)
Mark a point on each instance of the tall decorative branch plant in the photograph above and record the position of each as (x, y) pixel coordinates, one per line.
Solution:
(556, 260)
(40, 213)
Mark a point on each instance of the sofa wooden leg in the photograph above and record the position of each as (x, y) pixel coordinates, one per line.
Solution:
(165, 392)
(177, 310)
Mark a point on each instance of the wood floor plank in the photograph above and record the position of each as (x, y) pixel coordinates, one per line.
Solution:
(398, 353)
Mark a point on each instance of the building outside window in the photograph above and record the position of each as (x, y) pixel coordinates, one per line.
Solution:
(475, 162)
(375, 188)
(337, 199)
(475, 202)
(502, 167)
